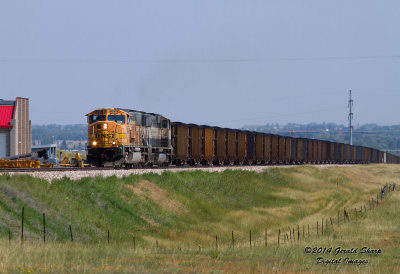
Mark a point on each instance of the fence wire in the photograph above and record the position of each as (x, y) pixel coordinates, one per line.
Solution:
(236, 240)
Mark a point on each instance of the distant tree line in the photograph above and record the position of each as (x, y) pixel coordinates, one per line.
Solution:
(49, 134)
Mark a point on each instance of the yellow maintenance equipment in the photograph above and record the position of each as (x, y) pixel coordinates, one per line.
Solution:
(65, 161)
(4, 163)
(75, 162)
(43, 165)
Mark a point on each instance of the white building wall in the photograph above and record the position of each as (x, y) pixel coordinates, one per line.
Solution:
(4, 142)
(14, 137)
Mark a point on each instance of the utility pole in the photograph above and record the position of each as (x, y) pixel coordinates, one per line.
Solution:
(350, 117)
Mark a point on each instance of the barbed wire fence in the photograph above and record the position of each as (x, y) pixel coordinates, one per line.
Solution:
(276, 238)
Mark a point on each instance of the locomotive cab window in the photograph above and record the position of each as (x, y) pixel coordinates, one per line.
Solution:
(96, 118)
(117, 118)
(164, 123)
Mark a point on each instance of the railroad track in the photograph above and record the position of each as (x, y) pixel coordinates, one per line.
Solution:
(172, 167)
(4, 170)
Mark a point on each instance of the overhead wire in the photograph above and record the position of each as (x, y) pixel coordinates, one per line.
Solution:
(180, 61)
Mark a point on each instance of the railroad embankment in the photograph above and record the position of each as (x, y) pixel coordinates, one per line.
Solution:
(206, 214)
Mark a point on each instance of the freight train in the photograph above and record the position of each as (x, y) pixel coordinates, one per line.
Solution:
(124, 137)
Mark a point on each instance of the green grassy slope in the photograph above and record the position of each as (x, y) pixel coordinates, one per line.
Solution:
(186, 207)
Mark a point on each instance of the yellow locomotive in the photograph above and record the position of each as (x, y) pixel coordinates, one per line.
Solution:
(128, 137)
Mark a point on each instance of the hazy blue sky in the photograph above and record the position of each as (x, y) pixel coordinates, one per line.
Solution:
(225, 63)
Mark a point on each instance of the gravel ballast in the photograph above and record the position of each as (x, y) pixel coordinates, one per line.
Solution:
(119, 173)
(78, 174)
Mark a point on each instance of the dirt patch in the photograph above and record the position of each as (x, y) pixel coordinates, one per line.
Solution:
(158, 195)
(330, 205)
(276, 211)
(25, 197)
(149, 221)
(12, 194)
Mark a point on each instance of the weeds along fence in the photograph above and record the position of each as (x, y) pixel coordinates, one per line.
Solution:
(268, 238)
(291, 234)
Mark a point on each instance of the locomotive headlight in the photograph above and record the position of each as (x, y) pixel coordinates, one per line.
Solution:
(94, 143)
(104, 126)
(113, 143)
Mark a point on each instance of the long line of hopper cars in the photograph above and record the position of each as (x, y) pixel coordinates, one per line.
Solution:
(124, 137)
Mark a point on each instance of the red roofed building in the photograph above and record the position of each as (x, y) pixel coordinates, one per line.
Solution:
(15, 127)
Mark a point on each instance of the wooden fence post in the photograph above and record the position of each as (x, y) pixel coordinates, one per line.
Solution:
(308, 230)
(22, 225)
(356, 213)
(298, 232)
(266, 235)
(233, 241)
(44, 228)
(70, 232)
(279, 235)
(216, 242)
(108, 236)
(134, 243)
(326, 225)
(322, 227)
(338, 217)
(317, 228)
(250, 238)
(294, 236)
